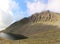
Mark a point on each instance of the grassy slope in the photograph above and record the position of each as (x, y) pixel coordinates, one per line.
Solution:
(16, 25)
(42, 35)
(50, 36)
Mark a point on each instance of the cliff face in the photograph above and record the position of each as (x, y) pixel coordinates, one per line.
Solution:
(43, 16)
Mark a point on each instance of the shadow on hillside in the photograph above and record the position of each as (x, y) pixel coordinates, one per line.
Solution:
(13, 36)
(17, 36)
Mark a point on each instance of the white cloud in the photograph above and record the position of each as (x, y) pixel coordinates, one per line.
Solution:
(5, 20)
(36, 6)
(4, 5)
(54, 5)
(6, 12)
(7, 7)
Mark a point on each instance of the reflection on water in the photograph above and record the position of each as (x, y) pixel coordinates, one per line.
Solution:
(12, 36)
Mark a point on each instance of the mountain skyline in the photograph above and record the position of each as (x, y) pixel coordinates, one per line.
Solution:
(19, 9)
(43, 27)
(36, 17)
(45, 18)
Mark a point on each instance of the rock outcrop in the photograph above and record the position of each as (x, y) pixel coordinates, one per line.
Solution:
(43, 16)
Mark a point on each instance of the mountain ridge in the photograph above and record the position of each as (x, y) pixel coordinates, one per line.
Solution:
(38, 31)
(35, 19)
(43, 16)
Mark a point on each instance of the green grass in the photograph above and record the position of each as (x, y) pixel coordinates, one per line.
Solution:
(38, 34)
(47, 37)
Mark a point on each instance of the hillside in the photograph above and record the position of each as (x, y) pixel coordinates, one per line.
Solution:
(47, 35)
(40, 28)
(43, 18)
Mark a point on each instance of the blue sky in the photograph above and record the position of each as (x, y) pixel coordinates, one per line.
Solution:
(14, 10)
(23, 6)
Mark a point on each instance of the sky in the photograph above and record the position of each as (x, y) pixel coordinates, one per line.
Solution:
(14, 10)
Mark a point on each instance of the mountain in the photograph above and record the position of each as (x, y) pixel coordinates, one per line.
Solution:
(45, 17)
(40, 28)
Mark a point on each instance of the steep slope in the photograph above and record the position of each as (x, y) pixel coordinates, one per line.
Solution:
(40, 28)
(38, 34)
(43, 16)
(16, 25)
(46, 17)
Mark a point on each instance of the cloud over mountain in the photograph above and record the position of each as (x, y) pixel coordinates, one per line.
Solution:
(53, 5)
(11, 9)
(6, 12)
(38, 6)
